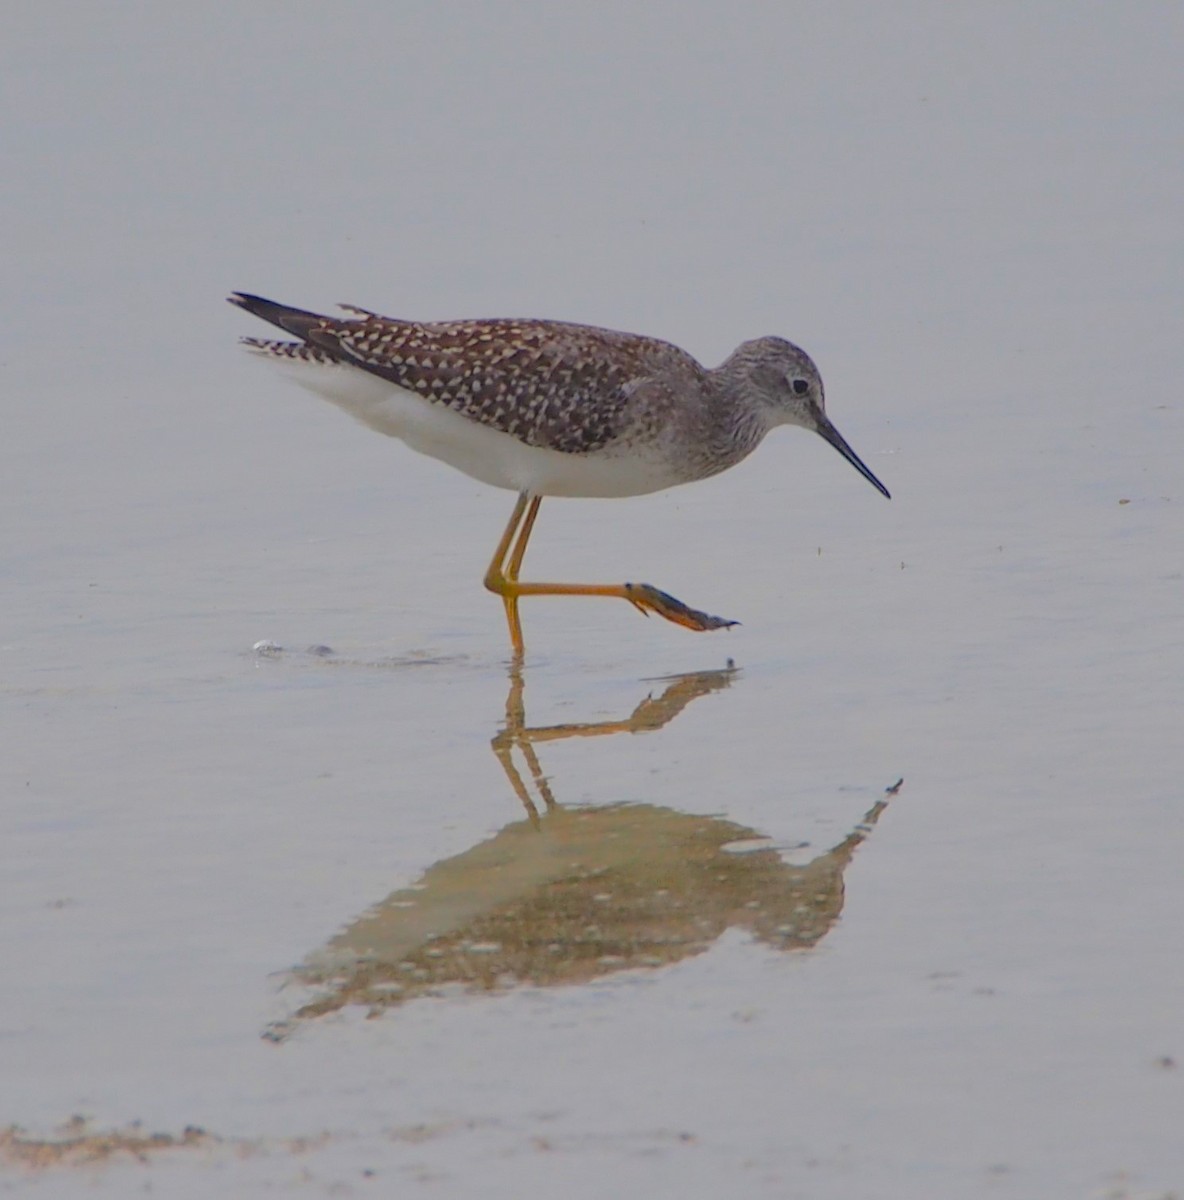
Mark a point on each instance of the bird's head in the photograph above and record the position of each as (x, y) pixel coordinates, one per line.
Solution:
(789, 387)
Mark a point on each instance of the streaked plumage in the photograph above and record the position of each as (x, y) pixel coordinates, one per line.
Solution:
(550, 408)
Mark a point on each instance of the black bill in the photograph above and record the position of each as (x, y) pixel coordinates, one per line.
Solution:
(830, 434)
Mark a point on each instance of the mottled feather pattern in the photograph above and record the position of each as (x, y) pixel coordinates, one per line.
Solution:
(551, 384)
(550, 408)
(288, 351)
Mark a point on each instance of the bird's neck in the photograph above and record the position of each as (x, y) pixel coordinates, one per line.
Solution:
(736, 421)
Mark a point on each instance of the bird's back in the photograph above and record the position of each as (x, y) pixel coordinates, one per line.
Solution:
(550, 384)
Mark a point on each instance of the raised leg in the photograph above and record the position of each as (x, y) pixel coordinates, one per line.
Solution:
(502, 578)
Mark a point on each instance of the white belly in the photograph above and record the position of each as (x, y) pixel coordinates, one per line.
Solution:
(480, 451)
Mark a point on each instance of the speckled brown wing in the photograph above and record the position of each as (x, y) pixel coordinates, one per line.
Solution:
(550, 384)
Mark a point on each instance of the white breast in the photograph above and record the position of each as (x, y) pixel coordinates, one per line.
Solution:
(480, 451)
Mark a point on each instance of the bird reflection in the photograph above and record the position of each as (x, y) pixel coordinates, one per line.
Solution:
(568, 895)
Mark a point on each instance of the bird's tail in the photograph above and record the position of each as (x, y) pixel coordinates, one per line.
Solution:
(295, 321)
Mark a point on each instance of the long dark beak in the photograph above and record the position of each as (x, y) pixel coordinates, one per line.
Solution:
(830, 434)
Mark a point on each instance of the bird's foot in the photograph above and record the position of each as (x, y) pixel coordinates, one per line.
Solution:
(647, 599)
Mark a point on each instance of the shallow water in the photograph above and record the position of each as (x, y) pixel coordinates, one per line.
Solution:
(293, 855)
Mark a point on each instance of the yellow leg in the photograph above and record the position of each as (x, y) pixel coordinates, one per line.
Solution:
(519, 552)
(502, 578)
(496, 578)
(515, 564)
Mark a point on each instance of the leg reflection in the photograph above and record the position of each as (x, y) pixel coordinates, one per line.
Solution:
(571, 894)
(652, 713)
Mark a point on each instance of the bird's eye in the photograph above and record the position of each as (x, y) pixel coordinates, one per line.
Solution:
(801, 386)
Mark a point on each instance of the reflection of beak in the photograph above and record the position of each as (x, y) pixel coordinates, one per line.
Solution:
(830, 434)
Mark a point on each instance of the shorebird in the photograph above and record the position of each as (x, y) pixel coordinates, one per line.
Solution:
(548, 408)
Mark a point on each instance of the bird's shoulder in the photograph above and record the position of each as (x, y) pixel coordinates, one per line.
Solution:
(549, 383)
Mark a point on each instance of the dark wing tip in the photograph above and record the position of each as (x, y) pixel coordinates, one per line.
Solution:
(295, 321)
(251, 302)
